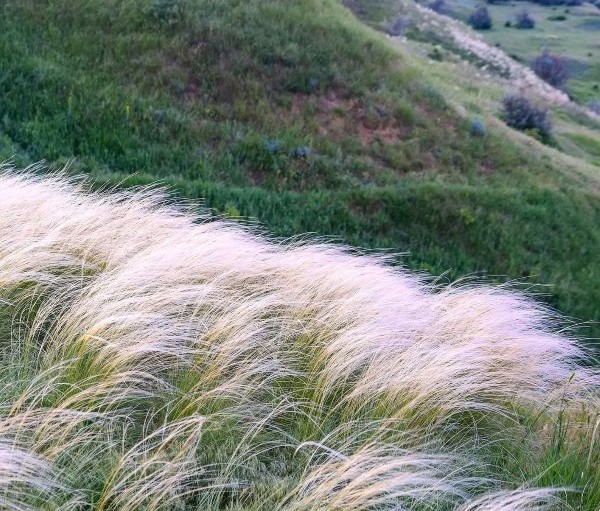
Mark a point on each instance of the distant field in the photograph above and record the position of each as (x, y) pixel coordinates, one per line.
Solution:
(577, 37)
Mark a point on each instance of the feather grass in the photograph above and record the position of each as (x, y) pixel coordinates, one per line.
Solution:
(156, 359)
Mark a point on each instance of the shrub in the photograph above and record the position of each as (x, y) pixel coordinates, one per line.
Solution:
(438, 6)
(481, 19)
(302, 152)
(520, 114)
(397, 28)
(524, 21)
(478, 128)
(557, 17)
(594, 106)
(551, 68)
(273, 146)
(436, 54)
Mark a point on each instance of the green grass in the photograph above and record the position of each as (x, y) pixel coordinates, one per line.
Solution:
(299, 116)
(591, 145)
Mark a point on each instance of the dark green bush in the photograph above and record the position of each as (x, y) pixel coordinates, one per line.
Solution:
(551, 68)
(478, 127)
(524, 21)
(481, 19)
(520, 114)
(438, 6)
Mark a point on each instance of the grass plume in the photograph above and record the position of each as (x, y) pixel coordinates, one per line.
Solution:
(160, 360)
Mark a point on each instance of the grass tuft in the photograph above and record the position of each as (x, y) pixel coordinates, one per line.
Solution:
(155, 359)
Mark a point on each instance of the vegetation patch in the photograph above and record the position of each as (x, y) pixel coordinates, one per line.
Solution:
(156, 360)
(592, 145)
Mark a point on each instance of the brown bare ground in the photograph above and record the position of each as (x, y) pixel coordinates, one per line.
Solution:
(340, 118)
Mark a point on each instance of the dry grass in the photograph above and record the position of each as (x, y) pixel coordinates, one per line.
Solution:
(153, 359)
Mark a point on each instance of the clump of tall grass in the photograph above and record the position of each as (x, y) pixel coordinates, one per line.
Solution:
(153, 358)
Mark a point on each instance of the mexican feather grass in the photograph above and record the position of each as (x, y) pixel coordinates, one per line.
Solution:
(157, 359)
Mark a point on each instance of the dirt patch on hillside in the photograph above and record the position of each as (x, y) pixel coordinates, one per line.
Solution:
(338, 118)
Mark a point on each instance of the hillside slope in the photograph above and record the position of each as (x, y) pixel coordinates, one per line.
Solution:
(298, 115)
(486, 73)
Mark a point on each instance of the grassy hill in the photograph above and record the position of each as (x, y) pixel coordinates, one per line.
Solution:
(298, 114)
(157, 360)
